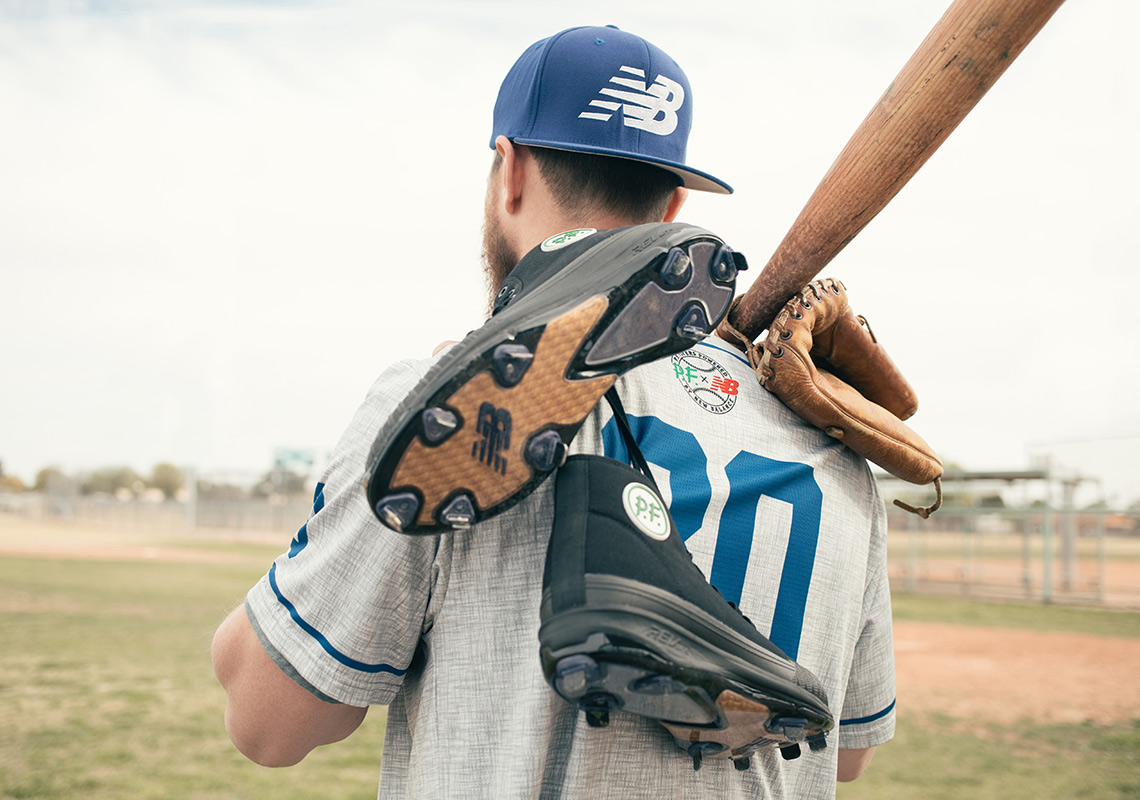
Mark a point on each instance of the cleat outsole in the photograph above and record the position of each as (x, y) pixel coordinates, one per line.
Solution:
(484, 419)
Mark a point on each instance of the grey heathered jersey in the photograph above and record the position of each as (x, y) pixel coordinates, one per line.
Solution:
(443, 629)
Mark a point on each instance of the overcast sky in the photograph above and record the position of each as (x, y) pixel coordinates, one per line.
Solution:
(220, 220)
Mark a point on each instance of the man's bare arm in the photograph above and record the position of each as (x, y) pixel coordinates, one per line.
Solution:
(270, 718)
(853, 761)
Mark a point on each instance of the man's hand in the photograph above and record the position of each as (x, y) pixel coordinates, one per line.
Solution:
(270, 718)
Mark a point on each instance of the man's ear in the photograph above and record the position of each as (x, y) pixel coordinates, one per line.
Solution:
(510, 174)
(680, 195)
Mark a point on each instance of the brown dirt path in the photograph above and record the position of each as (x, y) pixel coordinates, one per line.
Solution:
(1003, 675)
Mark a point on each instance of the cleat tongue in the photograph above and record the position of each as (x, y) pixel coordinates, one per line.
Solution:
(511, 361)
(438, 424)
(693, 323)
(459, 513)
(398, 511)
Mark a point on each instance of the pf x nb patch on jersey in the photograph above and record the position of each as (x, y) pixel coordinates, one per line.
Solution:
(705, 381)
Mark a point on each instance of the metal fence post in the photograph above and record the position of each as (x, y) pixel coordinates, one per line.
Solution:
(1047, 554)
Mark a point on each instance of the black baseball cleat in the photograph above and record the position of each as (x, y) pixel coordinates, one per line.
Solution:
(629, 623)
(494, 416)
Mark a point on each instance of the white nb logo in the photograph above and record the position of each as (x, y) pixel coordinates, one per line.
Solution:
(651, 108)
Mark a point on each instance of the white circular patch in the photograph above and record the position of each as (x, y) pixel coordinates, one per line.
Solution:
(705, 381)
(560, 240)
(646, 511)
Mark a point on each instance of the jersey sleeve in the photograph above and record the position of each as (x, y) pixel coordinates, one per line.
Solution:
(342, 611)
(868, 717)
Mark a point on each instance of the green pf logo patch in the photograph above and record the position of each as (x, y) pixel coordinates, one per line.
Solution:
(646, 511)
(560, 240)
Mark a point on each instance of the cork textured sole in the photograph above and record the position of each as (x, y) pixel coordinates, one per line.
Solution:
(494, 416)
(491, 470)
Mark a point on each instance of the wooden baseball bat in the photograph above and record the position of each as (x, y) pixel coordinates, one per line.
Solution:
(957, 63)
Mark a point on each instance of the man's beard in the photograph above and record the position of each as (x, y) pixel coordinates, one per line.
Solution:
(498, 256)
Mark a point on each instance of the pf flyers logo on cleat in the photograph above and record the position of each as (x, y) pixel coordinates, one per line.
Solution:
(560, 240)
(646, 511)
(494, 426)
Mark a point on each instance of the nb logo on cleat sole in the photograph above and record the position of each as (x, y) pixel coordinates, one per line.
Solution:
(666, 640)
(494, 426)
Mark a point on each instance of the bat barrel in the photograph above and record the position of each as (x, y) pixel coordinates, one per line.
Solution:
(960, 59)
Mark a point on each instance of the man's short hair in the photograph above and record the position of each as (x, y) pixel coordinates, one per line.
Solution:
(586, 183)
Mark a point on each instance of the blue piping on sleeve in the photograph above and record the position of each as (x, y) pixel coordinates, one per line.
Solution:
(871, 718)
(320, 638)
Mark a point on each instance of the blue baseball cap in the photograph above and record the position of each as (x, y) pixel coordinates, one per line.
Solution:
(604, 91)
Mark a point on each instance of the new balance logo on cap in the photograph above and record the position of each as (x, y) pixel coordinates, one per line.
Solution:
(650, 108)
(603, 91)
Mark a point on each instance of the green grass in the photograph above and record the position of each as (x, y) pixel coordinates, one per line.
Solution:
(1025, 616)
(938, 759)
(107, 689)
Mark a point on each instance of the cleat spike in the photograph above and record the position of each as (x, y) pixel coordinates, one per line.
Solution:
(597, 719)
(742, 764)
(693, 324)
(698, 750)
(597, 706)
(791, 728)
(397, 511)
(656, 684)
(438, 424)
(677, 269)
(817, 742)
(546, 451)
(723, 267)
(510, 362)
(790, 751)
(573, 675)
(459, 513)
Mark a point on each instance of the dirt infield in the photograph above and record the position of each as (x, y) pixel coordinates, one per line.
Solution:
(999, 675)
(974, 674)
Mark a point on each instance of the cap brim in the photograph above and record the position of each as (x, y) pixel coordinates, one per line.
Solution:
(690, 178)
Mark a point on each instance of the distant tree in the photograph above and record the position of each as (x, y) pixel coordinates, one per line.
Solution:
(208, 490)
(47, 478)
(11, 483)
(167, 477)
(280, 482)
(107, 479)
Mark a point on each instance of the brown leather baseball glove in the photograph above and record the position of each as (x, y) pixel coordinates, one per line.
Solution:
(825, 364)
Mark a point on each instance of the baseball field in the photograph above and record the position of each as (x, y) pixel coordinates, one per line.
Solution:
(106, 689)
